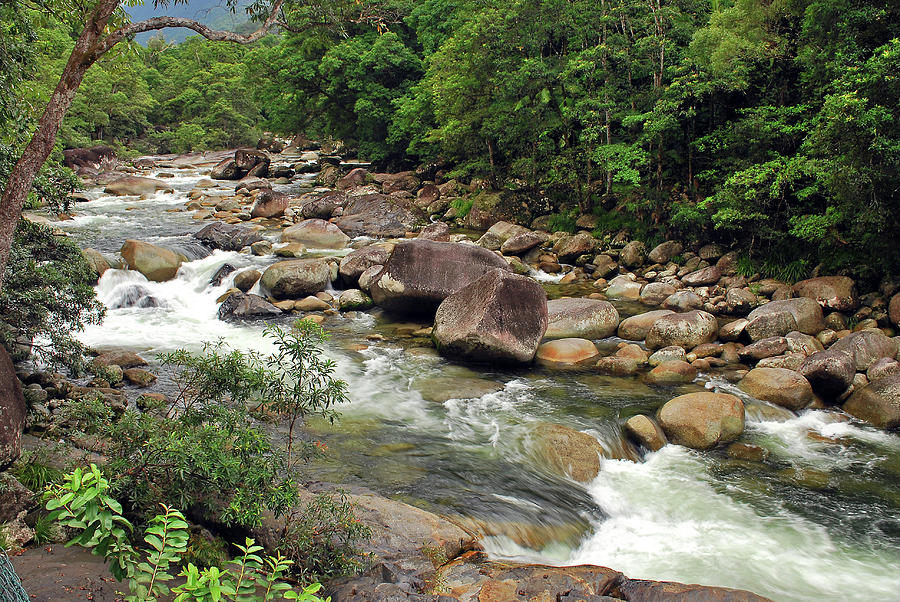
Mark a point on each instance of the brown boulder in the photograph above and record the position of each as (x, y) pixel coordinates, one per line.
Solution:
(780, 386)
(877, 403)
(134, 185)
(637, 327)
(646, 431)
(829, 372)
(834, 292)
(684, 330)
(866, 347)
(567, 352)
(316, 234)
(778, 318)
(270, 204)
(156, 263)
(702, 420)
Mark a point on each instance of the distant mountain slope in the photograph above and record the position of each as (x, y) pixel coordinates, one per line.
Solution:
(209, 12)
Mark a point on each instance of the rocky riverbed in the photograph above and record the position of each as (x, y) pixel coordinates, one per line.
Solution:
(561, 399)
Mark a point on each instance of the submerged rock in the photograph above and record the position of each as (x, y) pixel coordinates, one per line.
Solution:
(134, 185)
(568, 452)
(499, 317)
(241, 306)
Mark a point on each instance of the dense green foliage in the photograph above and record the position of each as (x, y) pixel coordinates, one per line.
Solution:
(82, 503)
(771, 125)
(207, 450)
(48, 296)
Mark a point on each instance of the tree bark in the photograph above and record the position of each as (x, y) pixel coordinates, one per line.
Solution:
(91, 45)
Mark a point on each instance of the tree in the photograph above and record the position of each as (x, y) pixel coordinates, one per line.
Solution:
(104, 27)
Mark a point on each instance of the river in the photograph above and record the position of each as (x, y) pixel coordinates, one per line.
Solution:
(817, 521)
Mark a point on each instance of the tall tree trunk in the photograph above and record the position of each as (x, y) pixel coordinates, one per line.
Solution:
(91, 45)
(41, 145)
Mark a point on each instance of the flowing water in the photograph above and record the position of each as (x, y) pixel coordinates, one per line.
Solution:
(818, 521)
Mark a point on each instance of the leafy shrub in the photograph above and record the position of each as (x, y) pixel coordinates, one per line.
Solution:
(321, 538)
(462, 206)
(47, 296)
(562, 222)
(82, 503)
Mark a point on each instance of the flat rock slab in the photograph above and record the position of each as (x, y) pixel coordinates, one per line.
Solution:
(55, 573)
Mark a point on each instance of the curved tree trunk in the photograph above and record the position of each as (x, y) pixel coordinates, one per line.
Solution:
(91, 45)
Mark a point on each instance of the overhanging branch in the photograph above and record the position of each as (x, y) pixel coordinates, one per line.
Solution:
(210, 34)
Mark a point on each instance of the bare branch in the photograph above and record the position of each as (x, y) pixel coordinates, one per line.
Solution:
(211, 34)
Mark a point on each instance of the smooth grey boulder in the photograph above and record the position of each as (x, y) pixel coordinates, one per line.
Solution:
(228, 237)
(296, 278)
(241, 306)
(684, 330)
(422, 273)
(778, 318)
(501, 317)
(581, 318)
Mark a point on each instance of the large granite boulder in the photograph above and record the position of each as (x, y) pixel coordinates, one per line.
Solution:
(134, 185)
(581, 318)
(866, 347)
(569, 248)
(829, 372)
(422, 273)
(837, 293)
(636, 328)
(241, 306)
(633, 254)
(375, 215)
(702, 420)
(228, 237)
(778, 318)
(877, 403)
(780, 386)
(12, 411)
(156, 263)
(501, 317)
(297, 278)
(684, 330)
(316, 234)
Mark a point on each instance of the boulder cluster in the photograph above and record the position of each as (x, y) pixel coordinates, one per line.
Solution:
(815, 343)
